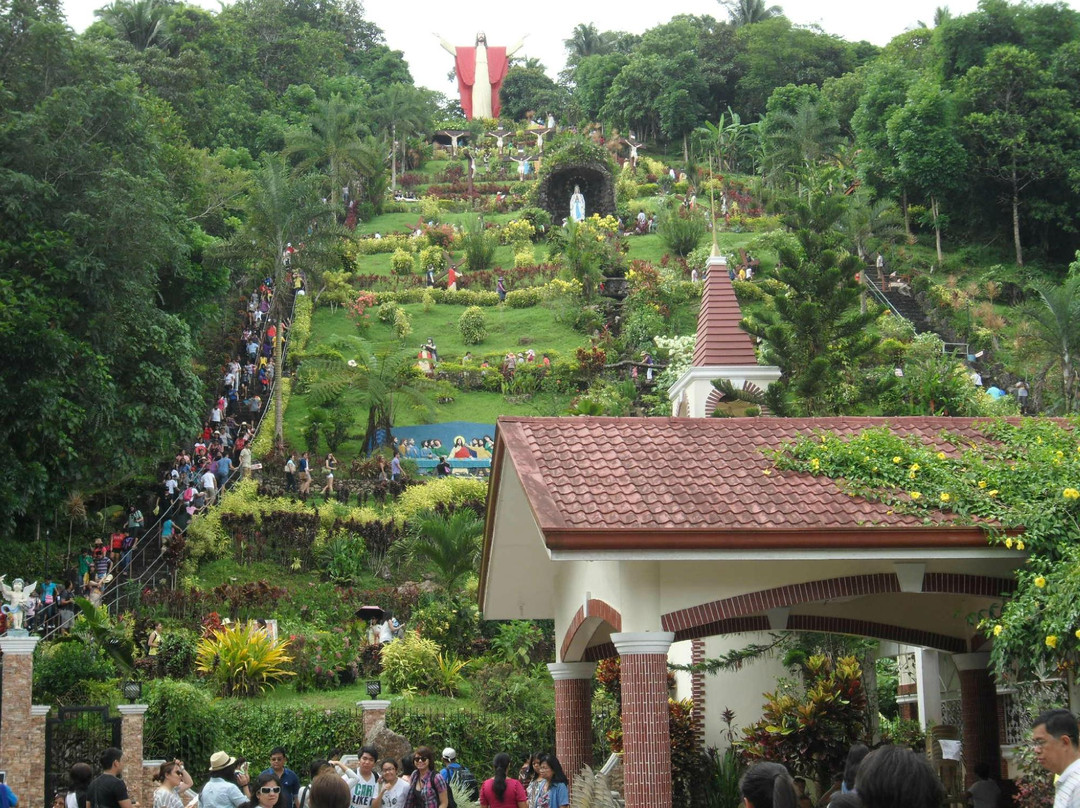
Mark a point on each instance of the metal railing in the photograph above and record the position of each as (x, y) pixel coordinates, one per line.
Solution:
(121, 590)
(880, 295)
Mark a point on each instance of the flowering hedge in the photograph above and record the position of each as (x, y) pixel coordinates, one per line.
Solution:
(1022, 486)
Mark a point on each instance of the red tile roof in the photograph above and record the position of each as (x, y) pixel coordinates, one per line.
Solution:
(720, 341)
(595, 481)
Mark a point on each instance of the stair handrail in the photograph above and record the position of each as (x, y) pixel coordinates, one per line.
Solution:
(880, 296)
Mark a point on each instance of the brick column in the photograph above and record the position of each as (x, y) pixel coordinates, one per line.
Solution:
(374, 712)
(35, 792)
(573, 714)
(23, 762)
(646, 739)
(978, 703)
(131, 744)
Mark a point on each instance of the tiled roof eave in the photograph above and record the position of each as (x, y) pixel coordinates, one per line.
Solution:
(862, 537)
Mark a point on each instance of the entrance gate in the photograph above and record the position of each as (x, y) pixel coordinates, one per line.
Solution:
(76, 734)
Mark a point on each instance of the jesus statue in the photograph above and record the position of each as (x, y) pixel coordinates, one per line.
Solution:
(480, 73)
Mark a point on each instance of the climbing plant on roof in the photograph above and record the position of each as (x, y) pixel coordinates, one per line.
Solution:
(1021, 486)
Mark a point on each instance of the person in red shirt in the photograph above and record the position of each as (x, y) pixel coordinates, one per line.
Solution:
(501, 791)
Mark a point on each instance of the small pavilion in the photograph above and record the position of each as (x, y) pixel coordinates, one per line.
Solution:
(635, 534)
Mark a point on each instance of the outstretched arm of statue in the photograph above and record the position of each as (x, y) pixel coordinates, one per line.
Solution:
(446, 45)
(515, 48)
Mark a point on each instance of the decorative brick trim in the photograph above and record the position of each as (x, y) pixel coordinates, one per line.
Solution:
(594, 607)
(605, 650)
(697, 695)
(754, 603)
(834, 625)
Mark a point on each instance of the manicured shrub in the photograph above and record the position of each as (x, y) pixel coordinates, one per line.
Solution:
(433, 258)
(523, 298)
(681, 231)
(176, 657)
(401, 262)
(387, 312)
(473, 325)
(323, 660)
(524, 257)
(181, 721)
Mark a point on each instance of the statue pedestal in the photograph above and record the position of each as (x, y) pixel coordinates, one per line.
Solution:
(12, 633)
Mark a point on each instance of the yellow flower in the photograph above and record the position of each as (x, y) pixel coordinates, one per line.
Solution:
(1009, 543)
(992, 492)
(982, 483)
(1019, 544)
(1040, 582)
(914, 494)
(1059, 454)
(1038, 440)
(1071, 493)
(998, 629)
(1078, 634)
(1051, 641)
(944, 496)
(767, 472)
(815, 464)
(911, 475)
(897, 458)
(914, 466)
(940, 455)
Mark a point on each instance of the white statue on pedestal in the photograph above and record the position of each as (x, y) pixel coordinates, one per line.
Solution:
(17, 597)
(577, 205)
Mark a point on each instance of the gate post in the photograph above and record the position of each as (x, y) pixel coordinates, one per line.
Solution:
(131, 744)
(22, 753)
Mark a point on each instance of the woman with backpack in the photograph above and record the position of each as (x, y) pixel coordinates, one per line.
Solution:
(427, 789)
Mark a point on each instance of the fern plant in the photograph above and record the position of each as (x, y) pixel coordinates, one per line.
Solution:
(591, 790)
(450, 674)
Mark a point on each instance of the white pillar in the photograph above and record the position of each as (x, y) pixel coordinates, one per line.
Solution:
(640, 596)
(928, 676)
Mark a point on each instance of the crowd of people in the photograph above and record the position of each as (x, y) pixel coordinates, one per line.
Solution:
(415, 781)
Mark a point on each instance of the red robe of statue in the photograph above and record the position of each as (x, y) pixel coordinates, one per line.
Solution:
(465, 65)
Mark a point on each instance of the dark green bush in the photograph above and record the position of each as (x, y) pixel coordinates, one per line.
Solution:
(176, 658)
(61, 670)
(181, 722)
(681, 230)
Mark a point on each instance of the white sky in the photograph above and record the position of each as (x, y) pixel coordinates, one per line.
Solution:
(409, 24)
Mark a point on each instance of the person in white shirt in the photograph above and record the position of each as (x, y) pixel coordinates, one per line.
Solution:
(1056, 739)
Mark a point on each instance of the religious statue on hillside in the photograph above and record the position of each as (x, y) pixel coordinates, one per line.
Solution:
(17, 597)
(480, 73)
(577, 205)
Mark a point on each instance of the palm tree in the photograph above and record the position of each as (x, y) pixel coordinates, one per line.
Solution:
(723, 138)
(331, 143)
(865, 219)
(747, 12)
(585, 40)
(448, 546)
(381, 379)
(140, 22)
(280, 208)
(800, 139)
(401, 106)
(1055, 316)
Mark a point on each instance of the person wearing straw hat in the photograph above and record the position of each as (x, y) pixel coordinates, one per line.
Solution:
(227, 787)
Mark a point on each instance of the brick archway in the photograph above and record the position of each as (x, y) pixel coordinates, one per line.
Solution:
(585, 623)
(718, 616)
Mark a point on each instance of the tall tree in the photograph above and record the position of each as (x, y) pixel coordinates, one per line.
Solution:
(405, 108)
(748, 12)
(924, 136)
(585, 41)
(1017, 126)
(331, 143)
(814, 331)
(1055, 315)
(141, 22)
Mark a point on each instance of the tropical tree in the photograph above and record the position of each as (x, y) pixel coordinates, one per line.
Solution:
(866, 220)
(141, 22)
(724, 139)
(376, 380)
(1055, 317)
(930, 157)
(748, 12)
(585, 41)
(447, 546)
(799, 138)
(405, 107)
(331, 143)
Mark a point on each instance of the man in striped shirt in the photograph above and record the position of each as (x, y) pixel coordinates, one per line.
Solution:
(1056, 739)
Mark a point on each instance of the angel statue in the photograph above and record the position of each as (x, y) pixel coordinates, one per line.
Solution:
(17, 597)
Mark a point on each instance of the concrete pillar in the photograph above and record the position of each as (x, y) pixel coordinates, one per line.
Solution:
(646, 739)
(640, 597)
(374, 712)
(23, 761)
(978, 702)
(573, 714)
(928, 676)
(131, 744)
